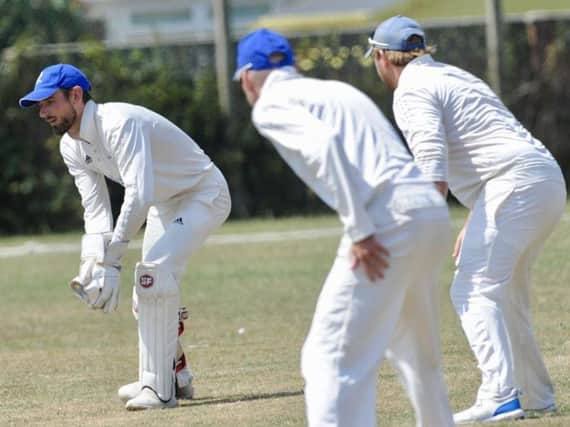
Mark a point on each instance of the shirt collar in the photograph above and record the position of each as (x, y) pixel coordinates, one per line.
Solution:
(281, 74)
(88, 129)
(420, 60)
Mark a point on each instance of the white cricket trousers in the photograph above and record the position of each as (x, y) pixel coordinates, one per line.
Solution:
(176, 229)
(357, 322)
(508, 226)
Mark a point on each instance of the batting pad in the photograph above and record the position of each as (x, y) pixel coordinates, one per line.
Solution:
(158, 302)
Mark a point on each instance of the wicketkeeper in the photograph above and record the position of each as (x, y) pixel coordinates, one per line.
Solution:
(463, 136)
(169, 183)
(381, 295)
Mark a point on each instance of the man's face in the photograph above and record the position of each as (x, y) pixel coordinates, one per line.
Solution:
(58, 112)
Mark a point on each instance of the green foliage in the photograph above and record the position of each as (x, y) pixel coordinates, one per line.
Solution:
(40, 22)
(35, 193)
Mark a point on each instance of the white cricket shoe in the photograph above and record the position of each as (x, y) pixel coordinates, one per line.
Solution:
(491, 410)
(147, 399)
(130, 391)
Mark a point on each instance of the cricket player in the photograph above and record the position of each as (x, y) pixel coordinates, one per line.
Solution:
(381, 295)
(169, 182)
(463, 136)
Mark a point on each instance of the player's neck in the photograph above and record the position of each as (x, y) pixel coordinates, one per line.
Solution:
(396, 73)
(75, 129)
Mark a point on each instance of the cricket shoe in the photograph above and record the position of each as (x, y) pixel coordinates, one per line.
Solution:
(130, 391)
(147, 399)
(491, 410)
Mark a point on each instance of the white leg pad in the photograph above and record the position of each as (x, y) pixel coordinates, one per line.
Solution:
(158, 297)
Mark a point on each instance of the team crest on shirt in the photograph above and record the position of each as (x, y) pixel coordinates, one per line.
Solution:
(88, 159)
(146, 281)
(179, 221)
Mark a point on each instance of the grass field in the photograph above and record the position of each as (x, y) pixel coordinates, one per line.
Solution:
(421, 10)
(61, 364)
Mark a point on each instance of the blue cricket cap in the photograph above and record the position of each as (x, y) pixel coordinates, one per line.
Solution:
(254, 52)
(52, 78)
(393, 34)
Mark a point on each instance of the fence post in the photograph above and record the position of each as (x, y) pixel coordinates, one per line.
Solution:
(494, 36)
(223, 49)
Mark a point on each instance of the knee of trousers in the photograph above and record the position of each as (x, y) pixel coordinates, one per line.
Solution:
(312, 366)
(469, 290)
(319, 363)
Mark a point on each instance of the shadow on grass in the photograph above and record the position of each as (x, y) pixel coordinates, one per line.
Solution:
(238, 398)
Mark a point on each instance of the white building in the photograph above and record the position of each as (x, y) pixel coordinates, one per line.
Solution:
(142, 22)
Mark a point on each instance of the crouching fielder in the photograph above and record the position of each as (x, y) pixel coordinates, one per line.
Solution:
(169, 182)
(381, 295)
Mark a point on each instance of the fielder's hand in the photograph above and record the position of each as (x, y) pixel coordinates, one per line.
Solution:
(372, 256)
(458, 243)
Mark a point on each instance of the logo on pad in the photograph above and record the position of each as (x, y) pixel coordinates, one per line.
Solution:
(146, 281)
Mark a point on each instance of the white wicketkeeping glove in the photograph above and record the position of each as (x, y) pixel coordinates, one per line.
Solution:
(103, 290)
(99, 274)
(93, 248)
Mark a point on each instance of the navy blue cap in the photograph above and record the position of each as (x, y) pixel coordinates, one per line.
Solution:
(254, 52)
(52, 78)
(393, 34)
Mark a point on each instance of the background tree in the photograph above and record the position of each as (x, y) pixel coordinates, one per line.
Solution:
(33, 193)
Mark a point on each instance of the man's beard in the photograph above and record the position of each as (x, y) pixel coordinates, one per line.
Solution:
(65, 124)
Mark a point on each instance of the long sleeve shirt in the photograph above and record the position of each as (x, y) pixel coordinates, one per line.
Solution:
(460, 132)
(337, 141)
(151, 157)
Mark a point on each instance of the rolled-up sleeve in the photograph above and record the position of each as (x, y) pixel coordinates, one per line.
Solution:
(420, 119)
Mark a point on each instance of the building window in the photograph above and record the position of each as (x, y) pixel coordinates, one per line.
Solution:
(158, 17)
(244, 13)
(249, 12)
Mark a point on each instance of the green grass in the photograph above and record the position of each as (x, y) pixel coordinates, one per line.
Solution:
(421, 9)
(61, 364)
(418, 9)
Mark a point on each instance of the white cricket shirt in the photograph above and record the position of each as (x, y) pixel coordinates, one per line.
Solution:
(151, 157)
(460, 132)
(337, 141)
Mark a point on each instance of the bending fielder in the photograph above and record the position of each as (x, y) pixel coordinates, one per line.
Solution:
(169, 182)
(381, 295)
